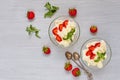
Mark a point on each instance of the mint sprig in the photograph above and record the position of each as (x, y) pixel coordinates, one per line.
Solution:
(32, 30)
(69, 35)
(101, 56)
(51, 10)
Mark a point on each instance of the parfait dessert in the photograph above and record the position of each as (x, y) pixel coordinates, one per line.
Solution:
(64, 31)
(95, 53)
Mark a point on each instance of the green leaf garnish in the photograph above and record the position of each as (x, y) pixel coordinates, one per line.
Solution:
(101, 56)
(51, 10)
(69, 35)
(48, 14)
(32, 29)
(48, 6)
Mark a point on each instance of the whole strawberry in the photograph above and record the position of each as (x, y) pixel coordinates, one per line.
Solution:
(68, 66)
(72, 12)
(30, 15)
(76, 72)
(46, 50)
(93, 29)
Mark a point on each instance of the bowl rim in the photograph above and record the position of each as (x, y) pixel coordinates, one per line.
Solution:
(95, 38)
(64, 16)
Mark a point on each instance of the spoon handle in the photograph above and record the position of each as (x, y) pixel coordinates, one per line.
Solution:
(89, 75)
(80, 63)
(77, 64)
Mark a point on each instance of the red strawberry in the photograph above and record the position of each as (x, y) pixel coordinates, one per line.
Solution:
(92, 56)
(76, 72)
(72, 12)
(61, 27)
(46, 50)
(97, 44)
(88, 53)
(92, 48)
(65, 23)
(93, 29)
(55, 31)
(30, 15)
(68, 66)
(58, 38)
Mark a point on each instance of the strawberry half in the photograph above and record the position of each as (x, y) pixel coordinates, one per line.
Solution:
(58, 38)
(97, 44)
(89, 53)
(55, 31)
(65, 23)
(61, 27)
(72, 12)
(68, 66)
(46, 50)
(30, 15)
(92, 56)
(91, 48)
(76, 72)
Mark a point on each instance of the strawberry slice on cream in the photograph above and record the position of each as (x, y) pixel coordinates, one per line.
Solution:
(95, 53)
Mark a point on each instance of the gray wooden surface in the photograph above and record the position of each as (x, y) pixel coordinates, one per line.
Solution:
(21, 57)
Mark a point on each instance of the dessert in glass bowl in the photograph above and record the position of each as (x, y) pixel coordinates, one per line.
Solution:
(64, 31)
(95, 53)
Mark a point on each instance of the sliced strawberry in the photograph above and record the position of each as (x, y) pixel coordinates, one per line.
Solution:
(92, 48)
(61, 27)
(55, 31)
(97, 44)
(58, 38)
(65, 23)
(92, 56)
(89, 53)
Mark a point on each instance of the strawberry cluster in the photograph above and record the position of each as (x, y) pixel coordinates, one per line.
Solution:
(75, 72)
(59, 28)
(91, 49)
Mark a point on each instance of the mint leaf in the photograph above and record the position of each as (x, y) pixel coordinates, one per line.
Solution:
(97, 60)
(48, 6)
(37, 34)
(54, 8)
(48, 14)
(101, 56)
(51, 10)
(69, 35)
(32, 29)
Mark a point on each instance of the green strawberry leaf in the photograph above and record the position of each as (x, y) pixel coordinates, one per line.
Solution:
(78, 73)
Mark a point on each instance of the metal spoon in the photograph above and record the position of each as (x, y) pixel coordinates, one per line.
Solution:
(69, 57)
(76, 56)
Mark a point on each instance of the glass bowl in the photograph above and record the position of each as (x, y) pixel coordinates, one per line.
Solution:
(53, 25)
(87, 61)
